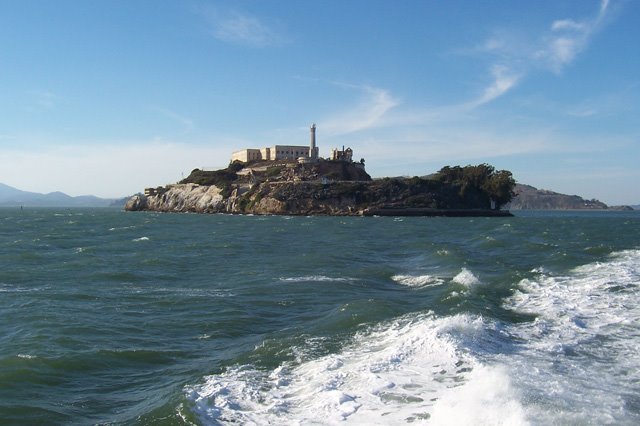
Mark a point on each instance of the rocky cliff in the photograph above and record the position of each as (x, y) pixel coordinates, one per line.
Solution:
(181, 198)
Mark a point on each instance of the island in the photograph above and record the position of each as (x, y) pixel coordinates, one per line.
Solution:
(295, 180)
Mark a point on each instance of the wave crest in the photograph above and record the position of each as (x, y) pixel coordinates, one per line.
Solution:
(466, 278)
(417, 280)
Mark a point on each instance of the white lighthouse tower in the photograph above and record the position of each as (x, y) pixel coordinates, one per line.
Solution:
(313, 149)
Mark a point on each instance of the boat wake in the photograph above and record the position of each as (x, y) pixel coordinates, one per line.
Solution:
(574, 362)
(409, 370)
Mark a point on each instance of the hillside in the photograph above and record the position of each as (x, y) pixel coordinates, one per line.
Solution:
(531, 198)
(12, 197)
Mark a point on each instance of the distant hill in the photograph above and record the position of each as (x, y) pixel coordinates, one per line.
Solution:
(12, 197)
(531, 198)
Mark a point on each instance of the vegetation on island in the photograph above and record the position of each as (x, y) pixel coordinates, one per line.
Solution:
(223, 178)
(479, 185)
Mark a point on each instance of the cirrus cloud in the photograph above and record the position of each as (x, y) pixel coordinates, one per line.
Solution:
(241, 28)
(553, 50)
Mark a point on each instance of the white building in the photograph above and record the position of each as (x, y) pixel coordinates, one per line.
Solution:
(280, 152)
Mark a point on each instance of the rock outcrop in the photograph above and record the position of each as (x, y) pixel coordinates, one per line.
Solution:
(295, 198)
(181, 198)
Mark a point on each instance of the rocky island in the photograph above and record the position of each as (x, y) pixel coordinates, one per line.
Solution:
(295, 180)
(331, 188)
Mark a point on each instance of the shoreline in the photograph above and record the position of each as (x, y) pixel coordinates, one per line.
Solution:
(428, 212)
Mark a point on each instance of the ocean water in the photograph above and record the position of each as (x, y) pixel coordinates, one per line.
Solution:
(108, 317)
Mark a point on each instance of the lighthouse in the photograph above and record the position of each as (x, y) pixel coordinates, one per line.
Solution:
(313, 150)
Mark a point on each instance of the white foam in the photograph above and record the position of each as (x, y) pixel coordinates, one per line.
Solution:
(593, 299)
(466, 278)
(417, 280)
(26, 356)
(316, 278)
(122, 227)
(487, 399)
(141, 239)
(408, 370)
(581, 355)
(188, 291)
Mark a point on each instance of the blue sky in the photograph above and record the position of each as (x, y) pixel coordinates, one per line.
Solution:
(107, 97)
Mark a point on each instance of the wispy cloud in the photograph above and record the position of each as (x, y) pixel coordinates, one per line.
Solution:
(242, 28)
(385, 129)
(583, 111)
(368, 113)
(513, 57)
(186, 122)
(399, 136)
(504, 79)
(567, 38)
(568, 24)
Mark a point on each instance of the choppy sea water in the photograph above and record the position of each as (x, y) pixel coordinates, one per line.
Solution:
(143, 318)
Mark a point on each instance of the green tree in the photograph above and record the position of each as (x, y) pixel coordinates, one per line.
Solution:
(500, 186)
